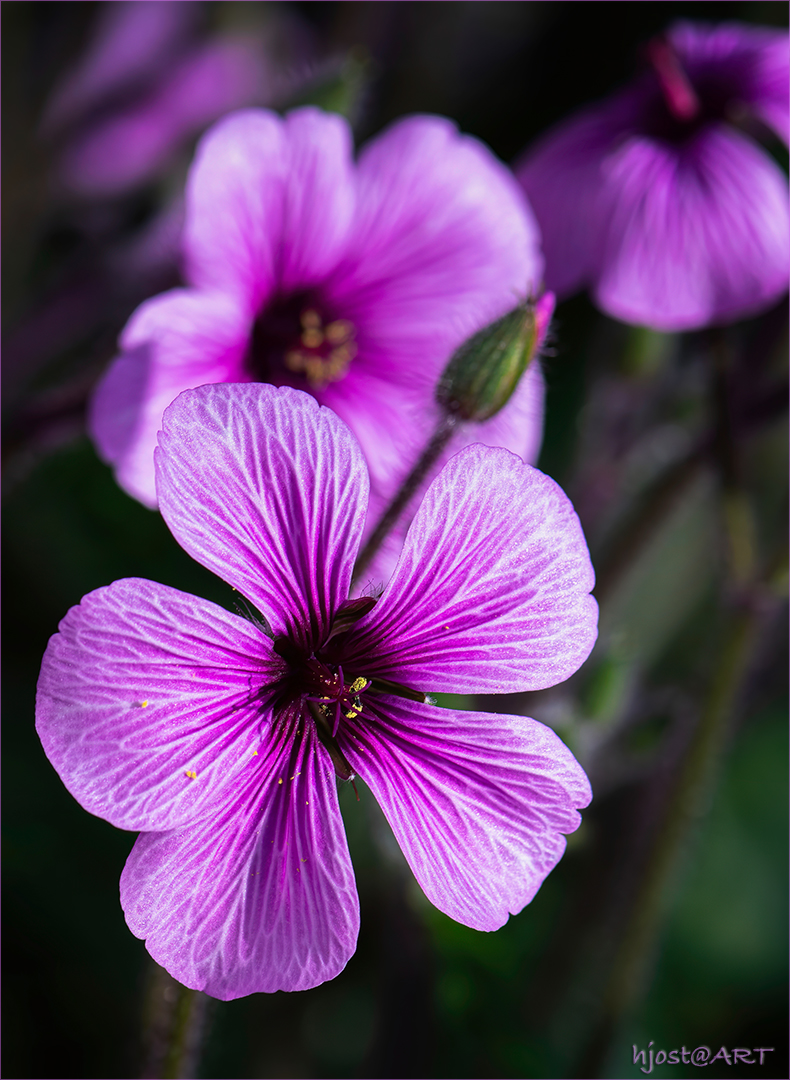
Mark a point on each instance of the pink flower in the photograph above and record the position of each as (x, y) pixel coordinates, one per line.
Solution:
(352, 281)
(220, 738)
(655, 199)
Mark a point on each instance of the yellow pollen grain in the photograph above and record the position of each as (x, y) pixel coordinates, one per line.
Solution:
(255, 753)
(280, 780)
(358, 684)
(144, 704)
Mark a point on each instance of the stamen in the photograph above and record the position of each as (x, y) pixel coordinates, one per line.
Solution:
(321, 369)
(339, 331)
(312, 338)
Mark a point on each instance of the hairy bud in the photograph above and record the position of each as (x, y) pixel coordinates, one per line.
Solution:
(484, 371)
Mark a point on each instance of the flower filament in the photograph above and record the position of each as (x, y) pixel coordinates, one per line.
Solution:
(337, 697)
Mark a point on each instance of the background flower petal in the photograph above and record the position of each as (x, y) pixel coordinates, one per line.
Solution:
(562, 177)
(695, 234)
(130, 145)
(144, 685)
(173, 342)
(261, 898)
(268, 490)
(478, 801)
(269, 203)
(490, 594)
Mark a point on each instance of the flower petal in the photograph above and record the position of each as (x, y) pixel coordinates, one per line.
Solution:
(561, 175)
(269, 203)
(173, 342)
(260, 898)
(268, 490)
(696, 234)
(149, 703)
(490, 594)
(133, 143)
(478, 801)
(129, 45)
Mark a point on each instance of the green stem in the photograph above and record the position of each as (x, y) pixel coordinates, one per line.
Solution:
(430, 455)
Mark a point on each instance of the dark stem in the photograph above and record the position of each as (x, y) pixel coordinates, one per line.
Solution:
(430, 455)
(176, 1025)
(695, 782)
(661, 497)
(653, 508)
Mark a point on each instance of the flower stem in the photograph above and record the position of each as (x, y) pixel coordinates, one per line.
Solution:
(430, 455)
(685, 806)
(175, 1026)
(742, 617)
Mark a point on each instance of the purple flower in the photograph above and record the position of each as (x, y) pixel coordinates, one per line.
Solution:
(352, 281)
(656, 200)
(148, 84)
(220, 738)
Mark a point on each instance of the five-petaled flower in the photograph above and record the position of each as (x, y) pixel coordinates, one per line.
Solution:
(351, 280)
(658, 198)
(220, 737)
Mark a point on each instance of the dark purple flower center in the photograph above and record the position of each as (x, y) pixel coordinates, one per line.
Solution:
(687, 99)
(297, 341)
(327, 693)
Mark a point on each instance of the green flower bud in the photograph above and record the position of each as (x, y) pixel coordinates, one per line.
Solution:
(484, 371)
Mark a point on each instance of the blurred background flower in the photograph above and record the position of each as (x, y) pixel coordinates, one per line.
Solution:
(660, 198)
(147, 83)
(666, 919)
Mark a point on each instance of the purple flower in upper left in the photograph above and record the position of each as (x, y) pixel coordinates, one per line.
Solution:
(221, 738)
(353, 281)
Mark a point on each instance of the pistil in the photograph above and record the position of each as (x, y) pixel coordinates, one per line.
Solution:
(679, 94)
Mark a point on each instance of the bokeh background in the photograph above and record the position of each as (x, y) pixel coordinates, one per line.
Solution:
(667, 918)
